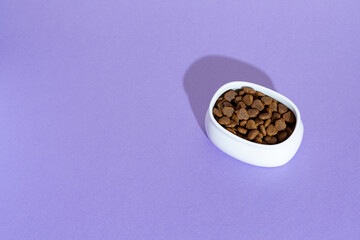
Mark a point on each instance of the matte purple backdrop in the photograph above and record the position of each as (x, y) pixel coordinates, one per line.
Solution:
(101, 117)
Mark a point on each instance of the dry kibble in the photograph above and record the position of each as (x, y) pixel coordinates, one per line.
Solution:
(271, 130)
(254, 116)
(270, 139)
(258, 139)
(243, 123)
(289, 117)
(267, 122)
(231, 130)
(241, 135)
(248, 99)
(266, 100)
(240, 105)
(280, 124)
(281, 136)
(258, 105)
(275, 116)
(220, 104)
(242, 114)
(289, 131)
(237, 99)
(251, 124)
(259, 94)
(224, 121)
(219, 99)
(227, 104)
(230, 95)
(249, 90)
(282, 108)
(231, 124)
(228, 111)
(258, 122)
(217, 112)
(253, 112)
(242, 130)
(273, 106)
(252, 134)
(268, 110)
(264, 116)
(235, 118)
(262, 130)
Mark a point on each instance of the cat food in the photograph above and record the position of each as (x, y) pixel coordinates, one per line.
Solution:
(254, 116)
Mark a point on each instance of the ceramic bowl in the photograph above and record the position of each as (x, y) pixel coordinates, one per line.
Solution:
(247, 151)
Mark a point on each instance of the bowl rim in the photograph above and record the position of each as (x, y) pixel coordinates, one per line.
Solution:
(288, 103)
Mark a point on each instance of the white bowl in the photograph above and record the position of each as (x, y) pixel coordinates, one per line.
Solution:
(247, 151)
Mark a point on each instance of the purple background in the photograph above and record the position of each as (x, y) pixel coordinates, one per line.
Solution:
(102, 105)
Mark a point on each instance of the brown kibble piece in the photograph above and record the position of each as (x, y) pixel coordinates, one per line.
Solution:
(241, 135)
(260, 135)
(273, 106)
(227, 104)
(248, 99)
(282, 108)
(249, 90)
(262, 130)
(243, 123)
(268, 110)
(253, 112)
(217, 112)
(241, 92)
(220, 104)
(275, 116)
(231, 130)
(231, 124)
(264, 116)
(270, 139)
(219, 99)
(230, 95)
(267, 122)
(289, 117)
(242, 130)
(258, 122)
(228, 111)
(271, 130)
(242, 114)
(266, 100)
(235, 118)
(252, 134)
(280, 124)
(240, 105)
(237, 99)
(251, 124)
(224, 121)
(258, 105)
(257, 139)
(281, 136)
(259, 94)
(289, 131)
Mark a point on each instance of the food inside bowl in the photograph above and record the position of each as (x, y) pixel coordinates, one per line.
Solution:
(254, 116)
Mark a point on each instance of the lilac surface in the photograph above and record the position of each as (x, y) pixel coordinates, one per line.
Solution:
(101, 107)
